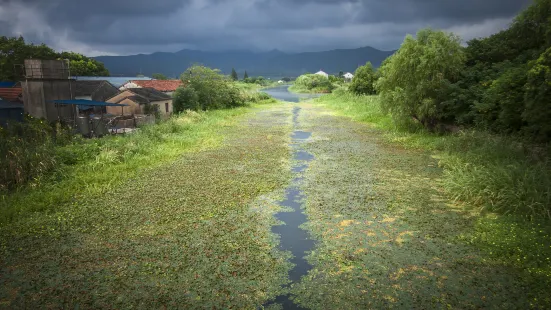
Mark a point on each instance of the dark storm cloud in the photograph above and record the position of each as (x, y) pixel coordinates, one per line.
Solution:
(133, 26)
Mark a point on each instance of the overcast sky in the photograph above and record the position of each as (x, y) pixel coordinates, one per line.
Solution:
(121, 27)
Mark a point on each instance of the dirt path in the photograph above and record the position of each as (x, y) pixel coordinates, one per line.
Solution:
(197, 233)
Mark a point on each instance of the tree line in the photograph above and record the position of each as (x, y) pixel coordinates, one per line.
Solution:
(14, 51)
(501, 83)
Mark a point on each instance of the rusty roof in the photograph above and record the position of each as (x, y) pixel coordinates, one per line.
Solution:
(160, 85)
(11, 94)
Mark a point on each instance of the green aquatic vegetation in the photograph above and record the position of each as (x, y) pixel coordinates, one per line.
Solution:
(191, 231)
(387, 235)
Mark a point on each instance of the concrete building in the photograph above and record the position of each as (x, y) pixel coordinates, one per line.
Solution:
(137, 99)
(45, 81)
(348, 76)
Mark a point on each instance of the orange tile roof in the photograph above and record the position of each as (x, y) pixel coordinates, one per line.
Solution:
(160, 85)
(11, 94)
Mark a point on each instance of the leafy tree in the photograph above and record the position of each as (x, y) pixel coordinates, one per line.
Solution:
(14, 51)
(81, 65)
(185, 98)
(286, 79)
(213, 89)
(341, 74)
(537, 112)
(245, 76)
(159, 76)
(234, 75)
(364, 80)
(416, 80)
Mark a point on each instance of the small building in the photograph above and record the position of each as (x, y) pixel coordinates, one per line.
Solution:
(98, 91)
(137, 99)
(348, 76)
(322, 74)
(165, 86)
(280, 82)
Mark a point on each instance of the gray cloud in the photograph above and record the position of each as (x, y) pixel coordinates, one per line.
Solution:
(143, 26)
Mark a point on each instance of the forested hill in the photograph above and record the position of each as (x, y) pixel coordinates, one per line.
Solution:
(273, 63)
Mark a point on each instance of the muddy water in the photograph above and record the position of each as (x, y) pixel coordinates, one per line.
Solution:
(293, 238)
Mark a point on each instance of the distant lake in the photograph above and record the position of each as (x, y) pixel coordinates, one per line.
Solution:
(283, 93)
(117, 81)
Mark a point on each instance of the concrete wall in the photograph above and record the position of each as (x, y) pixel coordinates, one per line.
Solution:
(38, 94)
(132, 108)
(163, 105)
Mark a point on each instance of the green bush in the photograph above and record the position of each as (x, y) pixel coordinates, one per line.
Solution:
(364, 79)
(207, 89)
(537, 111)
(185, 98)
(313, 83)
(416, 81)
(28, 151)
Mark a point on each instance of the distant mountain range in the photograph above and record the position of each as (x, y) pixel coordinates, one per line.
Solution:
(268, 64)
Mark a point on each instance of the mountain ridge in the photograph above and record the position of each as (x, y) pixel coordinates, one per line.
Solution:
(274, 63)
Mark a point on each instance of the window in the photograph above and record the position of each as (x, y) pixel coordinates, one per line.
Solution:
(166, 107)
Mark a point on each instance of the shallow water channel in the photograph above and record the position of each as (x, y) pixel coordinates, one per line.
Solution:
(293, 238)
(283, 93)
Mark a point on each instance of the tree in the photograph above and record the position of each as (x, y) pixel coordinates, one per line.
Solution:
(537, 111)
(364, 79)
(245, 76)
(186, 98)
(159, 76)
(81, 65)
(415, 82)
(234, 75)
(214, 90)
(14, 51)
(341, 74)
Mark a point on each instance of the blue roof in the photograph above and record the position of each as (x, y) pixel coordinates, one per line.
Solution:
(91, 103)
(117, 81)
(7, 84)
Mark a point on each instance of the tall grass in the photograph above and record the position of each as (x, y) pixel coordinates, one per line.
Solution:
(493, 173)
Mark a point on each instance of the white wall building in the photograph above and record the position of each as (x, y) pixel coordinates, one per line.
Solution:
(322, 74)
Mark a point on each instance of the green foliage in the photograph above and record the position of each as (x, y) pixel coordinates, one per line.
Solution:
(27, 151)
(159, 76)
(81, 65)
(234, 75)
(260, 80)
(415, 82)
(245, 76)
(364, 79)
(537, 111)
(14, 51)
(185, 98)
(152, 109)
(312, 83)
(212, 89)
(496, 89)
(334, 79)
(286, 79)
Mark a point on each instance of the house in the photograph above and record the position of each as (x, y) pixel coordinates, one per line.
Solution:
(166, 86)
(348, 76)
(137, 99)
(280, 82)
(94, 90)
(322, 74)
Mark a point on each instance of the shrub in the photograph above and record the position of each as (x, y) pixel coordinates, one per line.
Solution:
(27, 151)
(314, 82)
(209, 89)
(364, 79)
(185, 98)
(537, 112)
(415, 82)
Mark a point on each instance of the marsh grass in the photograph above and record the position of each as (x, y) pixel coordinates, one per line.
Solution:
(504, 183)
(489, 172)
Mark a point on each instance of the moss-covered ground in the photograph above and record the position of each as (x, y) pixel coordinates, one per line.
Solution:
(193, 232)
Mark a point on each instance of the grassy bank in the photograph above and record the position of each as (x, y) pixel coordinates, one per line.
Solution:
(169, 217)
(504, 183)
